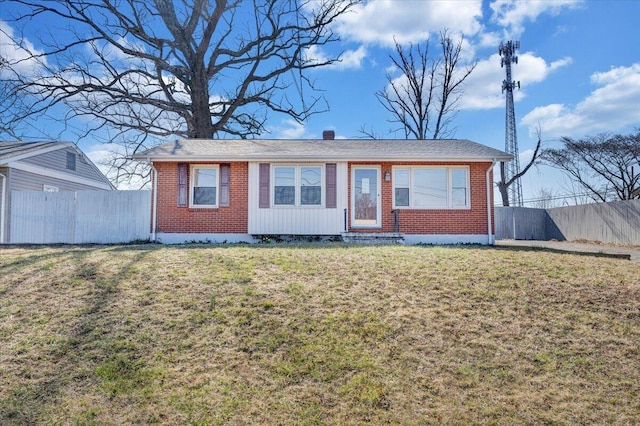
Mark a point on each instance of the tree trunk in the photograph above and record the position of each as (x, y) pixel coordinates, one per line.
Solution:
(201, 127)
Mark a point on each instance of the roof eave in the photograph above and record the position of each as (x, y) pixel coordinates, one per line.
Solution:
(280, 158)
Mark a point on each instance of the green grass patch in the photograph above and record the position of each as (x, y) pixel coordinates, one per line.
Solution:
(317, 334)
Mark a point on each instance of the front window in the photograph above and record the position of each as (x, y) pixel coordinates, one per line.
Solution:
(204, 186)
(402, 188)
(297, 185)
(431, 187)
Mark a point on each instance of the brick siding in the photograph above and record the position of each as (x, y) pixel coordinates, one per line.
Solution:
(234, 219)
(174, 219)
(434, 221)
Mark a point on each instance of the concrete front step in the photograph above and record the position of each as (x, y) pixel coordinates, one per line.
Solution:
(373, 237)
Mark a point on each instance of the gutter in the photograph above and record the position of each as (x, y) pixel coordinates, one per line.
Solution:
(2, 207)
(296, 157)
(489, 204)
(154, 206)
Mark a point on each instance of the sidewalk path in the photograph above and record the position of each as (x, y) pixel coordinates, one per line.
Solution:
(632, 253)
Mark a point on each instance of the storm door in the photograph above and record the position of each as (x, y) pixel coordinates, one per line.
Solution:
(365, 196)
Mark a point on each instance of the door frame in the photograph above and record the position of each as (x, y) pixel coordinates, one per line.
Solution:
(378, 189)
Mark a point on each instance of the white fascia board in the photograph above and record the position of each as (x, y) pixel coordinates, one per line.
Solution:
(43, 171)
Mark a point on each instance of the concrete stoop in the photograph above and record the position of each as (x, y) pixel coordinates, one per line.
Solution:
(373, 237)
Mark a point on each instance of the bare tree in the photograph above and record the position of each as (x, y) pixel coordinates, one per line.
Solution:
(604, 165)
(189, 68)
(503, 184)
(545, 199)
(424, 100)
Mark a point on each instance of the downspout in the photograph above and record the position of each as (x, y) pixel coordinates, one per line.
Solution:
(2, 207)
(489, 204)
(154, 206)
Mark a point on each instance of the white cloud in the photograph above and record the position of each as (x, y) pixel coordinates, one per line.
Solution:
(20, 57)
(350, 59)
(512, 14)
(612, 106)
(483, 89)
(289, 129)
(380, 21)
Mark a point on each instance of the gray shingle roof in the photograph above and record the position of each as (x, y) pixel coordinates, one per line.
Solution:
(12, 149)
(327, 150)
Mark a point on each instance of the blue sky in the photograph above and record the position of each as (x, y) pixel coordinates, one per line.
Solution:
(579, 68)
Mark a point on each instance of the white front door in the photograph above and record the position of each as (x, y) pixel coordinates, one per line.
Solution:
(365, 197)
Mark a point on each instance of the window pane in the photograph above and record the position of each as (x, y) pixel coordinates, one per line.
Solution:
(458, 178)
(401, 185)
(402, 197)
(401, 178)
(205, 177)
(310, 176)
(459, 197)
(430, 187)
(284, 191)
(458, 187)
(311, 187)
(285, 176)
(284, 195)
(204, 196)
(311, 195)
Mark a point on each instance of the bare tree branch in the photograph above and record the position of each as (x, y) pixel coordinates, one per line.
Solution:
(186, 68)
(424, 100)
(605, 165)
(503, 186)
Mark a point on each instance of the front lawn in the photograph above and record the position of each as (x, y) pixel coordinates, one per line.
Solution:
(317, 334)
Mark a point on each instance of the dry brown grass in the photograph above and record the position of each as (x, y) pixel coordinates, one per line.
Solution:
(319, 334)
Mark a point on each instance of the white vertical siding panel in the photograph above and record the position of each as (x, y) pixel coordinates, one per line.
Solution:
(297, 221)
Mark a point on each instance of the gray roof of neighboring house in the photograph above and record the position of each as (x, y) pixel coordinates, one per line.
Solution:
(321, 149)
(10, 150)
(13, 151)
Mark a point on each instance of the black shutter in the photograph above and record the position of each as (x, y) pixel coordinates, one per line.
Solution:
(182, 185)
(224, 185)
(263, 196)
(330, 177)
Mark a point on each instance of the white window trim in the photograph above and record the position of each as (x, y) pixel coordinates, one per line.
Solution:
(449, 205)
(191, 186)
(298, 184)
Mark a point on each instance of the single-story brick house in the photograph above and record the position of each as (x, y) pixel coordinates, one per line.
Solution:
(425, 191)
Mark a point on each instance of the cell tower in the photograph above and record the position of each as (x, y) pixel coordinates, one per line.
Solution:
(507, 52)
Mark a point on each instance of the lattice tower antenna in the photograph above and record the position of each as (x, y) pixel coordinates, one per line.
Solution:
(507, 52)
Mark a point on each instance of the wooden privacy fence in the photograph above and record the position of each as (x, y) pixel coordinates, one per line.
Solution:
(616, 222)
(82, 217)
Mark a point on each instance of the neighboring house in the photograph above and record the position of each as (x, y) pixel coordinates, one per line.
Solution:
(427, 191)
(43, 166)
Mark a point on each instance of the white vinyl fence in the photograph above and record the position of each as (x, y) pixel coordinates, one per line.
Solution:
(82, 217)
(614, 222)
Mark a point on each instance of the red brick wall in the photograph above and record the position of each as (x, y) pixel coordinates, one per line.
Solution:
(434, 221)
(232, 219)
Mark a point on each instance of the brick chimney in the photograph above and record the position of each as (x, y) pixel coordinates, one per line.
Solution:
(328, 135)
